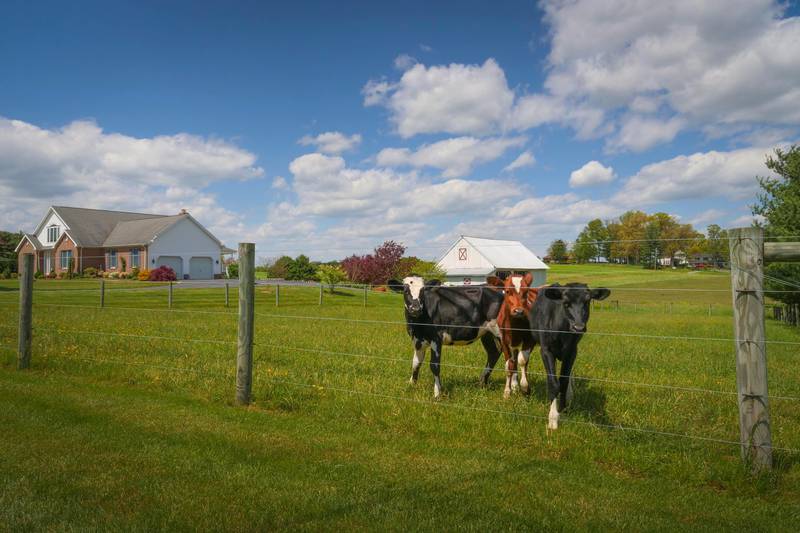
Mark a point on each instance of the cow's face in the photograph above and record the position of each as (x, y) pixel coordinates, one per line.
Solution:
(518, 295)
(412, 288)
(575, 297)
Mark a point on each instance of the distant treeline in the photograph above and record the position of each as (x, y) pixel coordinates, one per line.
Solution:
(640, 238)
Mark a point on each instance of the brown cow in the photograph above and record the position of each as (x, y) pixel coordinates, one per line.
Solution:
(516, 339)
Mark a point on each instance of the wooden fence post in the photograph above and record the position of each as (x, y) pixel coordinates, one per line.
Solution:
(169, 295)
(247, 291)
(320, 293)
(277, 294)
(25, 313)
(365, 295)
(747, 277)
(102, 293)
(227, 294)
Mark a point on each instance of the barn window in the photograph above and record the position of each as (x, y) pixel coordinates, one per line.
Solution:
(462, 254)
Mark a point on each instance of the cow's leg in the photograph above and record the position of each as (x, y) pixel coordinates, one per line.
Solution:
(515, 370)
(492, 355)
(522, 364)
(549, 361)
(420, 348)
(436, 358)
(565, 380)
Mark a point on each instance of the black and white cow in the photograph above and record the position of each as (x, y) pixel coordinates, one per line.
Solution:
(558, 321)
(437, 315)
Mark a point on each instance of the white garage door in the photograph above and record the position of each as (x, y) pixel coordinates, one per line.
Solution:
(200, 268)
(174, 262)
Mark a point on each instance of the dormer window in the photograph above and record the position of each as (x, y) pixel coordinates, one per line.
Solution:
(52, 233)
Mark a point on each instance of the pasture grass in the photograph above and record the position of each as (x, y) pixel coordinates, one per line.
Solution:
(126, 419)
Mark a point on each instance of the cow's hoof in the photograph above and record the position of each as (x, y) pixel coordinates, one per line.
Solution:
(412, 381)
(552, 424)
(506, 394)
(525, 388)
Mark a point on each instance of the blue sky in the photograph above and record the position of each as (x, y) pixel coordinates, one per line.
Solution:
(422, 107)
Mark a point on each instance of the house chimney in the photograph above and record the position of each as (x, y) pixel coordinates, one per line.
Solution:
(184, 212)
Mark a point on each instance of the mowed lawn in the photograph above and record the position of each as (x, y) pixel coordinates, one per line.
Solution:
(126, 419)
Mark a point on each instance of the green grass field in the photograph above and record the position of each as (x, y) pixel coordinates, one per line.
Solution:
(126, 419)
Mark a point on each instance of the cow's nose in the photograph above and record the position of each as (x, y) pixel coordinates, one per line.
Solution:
(580, 328)
(518, 311)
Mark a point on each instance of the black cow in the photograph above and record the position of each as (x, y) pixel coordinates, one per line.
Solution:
(558, 321)
(437, 315)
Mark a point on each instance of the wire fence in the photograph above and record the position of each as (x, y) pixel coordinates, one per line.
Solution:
(197, 295)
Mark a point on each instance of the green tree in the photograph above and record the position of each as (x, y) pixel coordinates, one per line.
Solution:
(716, 243)
(597, 232)
(8, 257)
(280, 268)
(557, 251)
(330, 275)
(779, 204)
(650, 250)
(584, 247)
(300, 269)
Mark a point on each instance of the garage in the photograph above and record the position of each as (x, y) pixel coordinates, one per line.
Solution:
(172, 261)
(201, 268)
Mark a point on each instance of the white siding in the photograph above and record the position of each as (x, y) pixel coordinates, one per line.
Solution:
(473, 259)
(52, 219)
(185, 240)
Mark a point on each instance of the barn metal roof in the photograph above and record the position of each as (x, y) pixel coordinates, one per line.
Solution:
(506, 254)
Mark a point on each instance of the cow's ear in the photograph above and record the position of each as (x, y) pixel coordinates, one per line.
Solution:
(494, 281)
(433, 283)
(532, 294)
(528, 279)
(554, 293)
(395, 285)
(600, 294)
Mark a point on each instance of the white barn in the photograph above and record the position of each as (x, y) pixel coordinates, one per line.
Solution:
(471, 259)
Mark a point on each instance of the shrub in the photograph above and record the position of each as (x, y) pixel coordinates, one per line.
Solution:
(38, 274)
(6, 273)
(3, 275)
(135, 273)
(330, 275)
(113, 275)
(124, 264)
(90, 272)
(233, 270)
(13, 275)
(162, 273)
(144, 275)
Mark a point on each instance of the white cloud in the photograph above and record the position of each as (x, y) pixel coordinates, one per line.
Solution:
(707, 217)
(81, 165)
(332, 142)
(722, 61)
(455, 157)
(711, 174)
(650, 71)
(457, 99)
(404, 62)
(592, 173)
(638, 133)
(279, 182)
(525, 159)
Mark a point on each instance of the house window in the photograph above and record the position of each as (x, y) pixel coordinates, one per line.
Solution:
(66, 255)
(52, 234)
(112, 259)
(135, 258)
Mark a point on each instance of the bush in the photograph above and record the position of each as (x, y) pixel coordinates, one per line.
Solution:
(3, 275)
(330, 275)
(38, 274)
(162, 273)
(90, 272)
(233, 270)
(135, 273)
(113, 275)
(143, 275)
(124, 264)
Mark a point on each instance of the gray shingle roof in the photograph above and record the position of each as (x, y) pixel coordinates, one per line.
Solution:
(92, 227)
(140, 232)
(34, 241)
